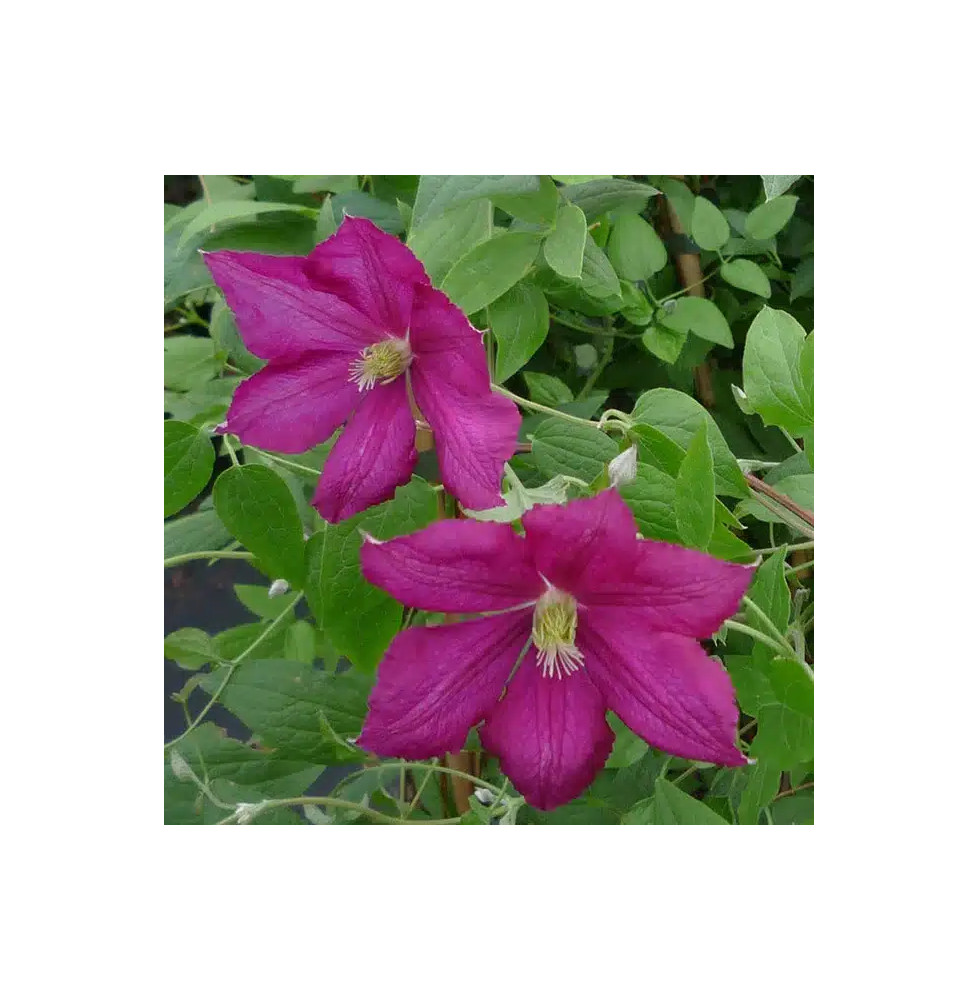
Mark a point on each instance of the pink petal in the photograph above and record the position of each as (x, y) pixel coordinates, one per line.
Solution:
(475, 430)
(679, 590)
(550, 735)
(662, 686)
(371, 270)
(436, 682)
(454, 566)
(446, 345)
(280, 313)
(373, 456)
(292, 405)
(582, 545)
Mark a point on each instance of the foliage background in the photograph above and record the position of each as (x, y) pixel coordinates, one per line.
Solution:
(581, 282)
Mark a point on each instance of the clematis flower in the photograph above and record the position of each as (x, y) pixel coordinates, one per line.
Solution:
(611, 621)
(355, 332)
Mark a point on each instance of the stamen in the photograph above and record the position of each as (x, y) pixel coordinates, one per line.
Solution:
(381, 362)
(554, 630)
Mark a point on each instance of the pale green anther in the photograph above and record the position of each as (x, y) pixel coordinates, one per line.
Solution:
(381, 362)
(554, 631)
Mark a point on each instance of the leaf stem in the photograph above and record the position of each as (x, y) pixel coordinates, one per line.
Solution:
(284, 461)
(773, 629)
(232, 666)
(190, 556)
(232, 454)
(595, 373)
(324, 800)
(796, 547)
(528, 404)
(754, 633)
(799, 567)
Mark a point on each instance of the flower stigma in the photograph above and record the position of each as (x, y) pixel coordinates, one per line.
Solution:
(381, 362)
(554, 629)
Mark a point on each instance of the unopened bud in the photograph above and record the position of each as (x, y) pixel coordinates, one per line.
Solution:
(247, 811)
(485, 796)
(623, 468)
(180, 767)
(278, 588)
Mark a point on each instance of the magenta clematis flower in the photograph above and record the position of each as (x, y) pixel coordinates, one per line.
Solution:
(355, 332)
(612, 622)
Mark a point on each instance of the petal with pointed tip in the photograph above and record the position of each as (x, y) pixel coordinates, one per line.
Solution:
(550, 735)
(679, 590)
(662, 686)
(454, 566)
(435, 682)
(290, 406)
(371, 270)
(280, 312)
(373, 456)
(583, 544)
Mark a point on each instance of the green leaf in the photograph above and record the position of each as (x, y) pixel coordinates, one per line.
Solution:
(799, 488)
(490, 269)
(237, 773)
(597, 197)
(628, 748)
(258, 509)
(255, 598)
(547, 389)
(709, 225)
(695, 492)
(635, 250)
(519, 499)
(326, 221)
(774, 380)
(784, 737)
(284, 704)
(791, 685)
(563, 249)
(188, 460)
(188, 362)
(200, 532)
(795, 810)
(803, 280)
(598, 277)
(777, 184)
(334, 183)
(365, 206)
(575, 449)
(446, 239)
(188, 647)
(223, 212)
(224, 332)
(437, 193)
(637, 308)
(747, 275)
(671, 806)
(537, 207)
(771, 217)
(256, 639)
(520, 320)
(763, 782)
(692, 314)
(359, 619)
(679, 416)
(664, 343)
(769, 591)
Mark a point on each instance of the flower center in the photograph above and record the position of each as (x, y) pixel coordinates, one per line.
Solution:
(381, 362)
(554, 628)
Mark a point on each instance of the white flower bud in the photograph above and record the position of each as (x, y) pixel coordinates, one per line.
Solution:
(485, 796)
(247, 811)
(180, 767)
(623, 468)
(278, 588)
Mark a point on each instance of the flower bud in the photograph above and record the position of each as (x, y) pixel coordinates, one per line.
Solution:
(485, 796)
(623, 468)
(278, 588)
(180, 767)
